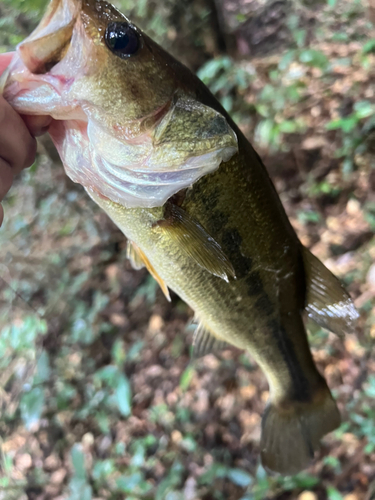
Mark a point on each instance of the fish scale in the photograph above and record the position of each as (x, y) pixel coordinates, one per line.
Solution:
(219, 236)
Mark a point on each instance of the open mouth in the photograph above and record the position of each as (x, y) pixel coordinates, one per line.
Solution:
(30, 85)
(138, 160)
(49, 42)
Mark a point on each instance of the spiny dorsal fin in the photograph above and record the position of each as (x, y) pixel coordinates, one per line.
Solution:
(327, 302)
(138, 260)
(195, 242)
(204, 342)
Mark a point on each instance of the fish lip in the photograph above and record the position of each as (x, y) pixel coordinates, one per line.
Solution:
(18, 85)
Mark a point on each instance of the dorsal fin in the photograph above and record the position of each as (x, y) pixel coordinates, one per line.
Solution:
(138, 260)
(327, 302)
(204, 342)
(195, 242)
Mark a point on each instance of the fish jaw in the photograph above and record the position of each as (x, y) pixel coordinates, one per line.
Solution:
(32, 89)
(139, 136)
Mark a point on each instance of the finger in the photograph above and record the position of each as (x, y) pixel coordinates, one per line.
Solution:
(17, 146)
(6, 178)
(37, 125)
(5, 60)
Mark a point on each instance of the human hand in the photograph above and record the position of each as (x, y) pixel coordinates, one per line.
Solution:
(17, 139)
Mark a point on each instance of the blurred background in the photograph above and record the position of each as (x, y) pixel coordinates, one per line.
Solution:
(99, 398)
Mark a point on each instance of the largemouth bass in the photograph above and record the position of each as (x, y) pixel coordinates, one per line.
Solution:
(159, 154)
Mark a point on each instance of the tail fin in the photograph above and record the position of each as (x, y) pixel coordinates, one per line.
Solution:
(291, 431)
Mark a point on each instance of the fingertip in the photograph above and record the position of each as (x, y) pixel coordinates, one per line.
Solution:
(37, 125)
(6, 178)
(31, 152)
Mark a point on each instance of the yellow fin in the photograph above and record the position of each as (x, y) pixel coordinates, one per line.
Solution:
(291, 431)
(204, 342)
(138, 260)
(133, 255)
(195, 242)
(327, 302)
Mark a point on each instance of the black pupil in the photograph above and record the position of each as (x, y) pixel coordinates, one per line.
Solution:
(122, 39)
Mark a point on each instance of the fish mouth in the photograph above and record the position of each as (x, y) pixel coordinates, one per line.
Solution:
(135, 158)
(56, 55)
(49, 42)
(31, 77)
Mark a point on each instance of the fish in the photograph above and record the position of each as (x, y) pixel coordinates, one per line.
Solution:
(158, 153)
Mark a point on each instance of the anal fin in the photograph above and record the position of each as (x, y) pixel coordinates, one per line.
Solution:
(195, 242)
(204, 342)
(138, 260)
(327, 302)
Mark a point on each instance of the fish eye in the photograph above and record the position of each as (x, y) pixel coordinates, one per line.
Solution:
(122, 39)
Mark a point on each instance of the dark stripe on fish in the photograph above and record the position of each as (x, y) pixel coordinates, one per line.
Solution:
(231, 242)
(301, 386)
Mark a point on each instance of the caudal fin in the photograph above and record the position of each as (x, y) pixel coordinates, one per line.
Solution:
(291, 431)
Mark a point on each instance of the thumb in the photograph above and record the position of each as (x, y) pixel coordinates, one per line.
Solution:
(37, 125)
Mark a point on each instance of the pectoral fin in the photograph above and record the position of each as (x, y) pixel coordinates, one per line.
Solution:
(138, 260)
(327, 302)
(204, 342)
(195, 242)
(132, 253)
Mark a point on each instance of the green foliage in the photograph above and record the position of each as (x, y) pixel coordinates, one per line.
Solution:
(80, 489)
(21, 336)
(334, 494)
(32, 7)
(315, 189)
(369, 212)
(133, 484)
(271, 103)
(84, 327)
(186, 378)
(308, 216)
(333, 462)
(147, 290)
(228, 81)
(111, 376)
(123, 395)
(314, 58)
(169, 488)
(240, 477)
(31, 406)
(369, 47)
(363, 415)
(353, 128)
